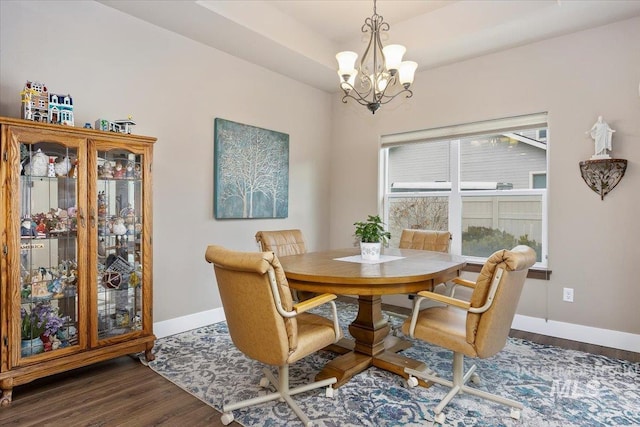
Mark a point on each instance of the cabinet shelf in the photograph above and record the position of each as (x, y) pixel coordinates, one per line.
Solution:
(70, 234)
(120, 179)
(28, 177)
(31, 300)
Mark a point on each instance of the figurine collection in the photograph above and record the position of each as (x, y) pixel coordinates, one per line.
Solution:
(40, 105)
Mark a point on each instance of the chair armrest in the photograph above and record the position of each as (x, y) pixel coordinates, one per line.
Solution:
(466, 305)
(310, 303)
(303, 306)
(445, 299)
(458, 281)
(316, 301)
(464, 282)
(422, 295)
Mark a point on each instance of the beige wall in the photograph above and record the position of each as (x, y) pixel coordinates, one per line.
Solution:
(593, 244)
(115, 65)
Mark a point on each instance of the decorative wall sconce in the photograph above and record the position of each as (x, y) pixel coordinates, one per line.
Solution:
(602, 173)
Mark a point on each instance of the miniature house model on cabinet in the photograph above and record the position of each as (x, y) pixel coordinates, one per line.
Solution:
(60, 109)
(41, 106)
(35, 102)
(121, 126)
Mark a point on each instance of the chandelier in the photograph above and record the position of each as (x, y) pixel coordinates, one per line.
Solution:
(381, 74)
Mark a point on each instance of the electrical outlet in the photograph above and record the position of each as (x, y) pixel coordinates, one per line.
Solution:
(567, 294)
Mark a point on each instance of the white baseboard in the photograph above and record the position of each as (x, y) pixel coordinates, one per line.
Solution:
(569, 331)
(186, 323)
(581, 333)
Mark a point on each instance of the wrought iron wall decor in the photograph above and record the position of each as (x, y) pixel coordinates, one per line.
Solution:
(603, 175)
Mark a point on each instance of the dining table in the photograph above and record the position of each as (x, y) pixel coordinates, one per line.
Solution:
(345, 272)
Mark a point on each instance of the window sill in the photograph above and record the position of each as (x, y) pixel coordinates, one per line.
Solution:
(534, 273)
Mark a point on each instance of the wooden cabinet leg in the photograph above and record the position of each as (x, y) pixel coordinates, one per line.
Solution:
(148, 354)
(7, 391)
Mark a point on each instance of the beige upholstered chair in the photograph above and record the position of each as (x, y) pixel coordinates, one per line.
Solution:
(283, 243)
(476, 328)
(427, 240)
(265, 324)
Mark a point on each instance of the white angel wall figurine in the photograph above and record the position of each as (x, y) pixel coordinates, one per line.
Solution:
(601, 134)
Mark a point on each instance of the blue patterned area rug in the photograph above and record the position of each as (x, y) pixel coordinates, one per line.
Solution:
(557, 387)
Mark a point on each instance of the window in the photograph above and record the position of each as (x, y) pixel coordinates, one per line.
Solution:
(66, 116)
(484, 182)
(538, 180)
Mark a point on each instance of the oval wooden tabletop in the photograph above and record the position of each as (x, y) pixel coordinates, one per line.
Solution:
(318, 271)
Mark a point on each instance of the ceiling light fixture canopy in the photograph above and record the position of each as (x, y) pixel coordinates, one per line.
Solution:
(381, 74)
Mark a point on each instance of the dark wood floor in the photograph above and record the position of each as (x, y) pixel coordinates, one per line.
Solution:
(123, 392)
(119, 392)
(577, 345)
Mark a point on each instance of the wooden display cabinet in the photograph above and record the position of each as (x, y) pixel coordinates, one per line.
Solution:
(76, 263)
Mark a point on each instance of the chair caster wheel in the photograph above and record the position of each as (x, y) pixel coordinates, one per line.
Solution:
(475, 378)
(330, 392)
(515, 413)
(226, 418)
(412, 382)
(439, 418)
(264, 382)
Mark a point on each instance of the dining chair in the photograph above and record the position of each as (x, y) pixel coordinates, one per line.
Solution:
(283, 243)
(266, 326)
(477, 328)
(427, 240)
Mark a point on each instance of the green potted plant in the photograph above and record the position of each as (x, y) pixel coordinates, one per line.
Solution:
(371, 235)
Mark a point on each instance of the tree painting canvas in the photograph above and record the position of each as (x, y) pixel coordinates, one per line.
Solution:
(251, 169)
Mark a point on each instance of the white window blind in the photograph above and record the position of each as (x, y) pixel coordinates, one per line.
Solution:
(476, 128)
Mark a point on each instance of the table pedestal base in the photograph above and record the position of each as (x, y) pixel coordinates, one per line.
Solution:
(347, 365)
(372, 347)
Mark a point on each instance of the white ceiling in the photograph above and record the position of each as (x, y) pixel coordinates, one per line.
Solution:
(299, 38)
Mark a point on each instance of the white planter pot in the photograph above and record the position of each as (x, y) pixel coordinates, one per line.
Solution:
(370, 251)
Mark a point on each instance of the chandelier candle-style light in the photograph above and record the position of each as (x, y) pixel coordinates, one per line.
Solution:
(381, 74)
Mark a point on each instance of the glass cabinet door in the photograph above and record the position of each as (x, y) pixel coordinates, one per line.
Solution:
(48, 209)
(118, 228)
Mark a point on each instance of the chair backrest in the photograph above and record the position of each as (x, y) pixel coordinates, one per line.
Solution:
(282, 242)
(426, 240)
(488, 331)
(255, 326)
